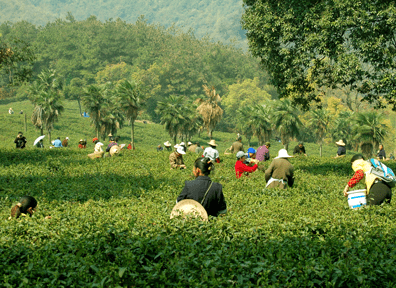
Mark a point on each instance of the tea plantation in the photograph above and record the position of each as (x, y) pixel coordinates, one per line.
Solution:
(110, 223)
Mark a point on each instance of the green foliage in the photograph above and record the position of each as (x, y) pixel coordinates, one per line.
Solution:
(309, 45)
(113, 229)
(203, 17)
(45, 95)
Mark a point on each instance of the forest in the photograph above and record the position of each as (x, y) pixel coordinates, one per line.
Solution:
(218, 19)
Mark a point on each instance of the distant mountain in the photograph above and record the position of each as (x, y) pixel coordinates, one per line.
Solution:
(218, 19)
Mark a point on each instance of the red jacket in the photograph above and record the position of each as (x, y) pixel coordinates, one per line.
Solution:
(240, 168)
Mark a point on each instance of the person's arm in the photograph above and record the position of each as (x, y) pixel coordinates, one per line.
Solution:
(172, 161)
(249, 169)
(359, 175)
(268, 172)
(290, 177)
(221, 203)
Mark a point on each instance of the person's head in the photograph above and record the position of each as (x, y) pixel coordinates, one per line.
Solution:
(300, 144)
(381, 146)
(117, 138)
(197, 144)
(212, 143)
(95, 139)
(241, 156)
(26, 205)
(20, 134)
(239, 139)
(111, 139)
(159, 146)
(252, 152)
(357, 157)
(58, 138)
(67, 138)
(202, 166)
(180, 151)
(267, 144)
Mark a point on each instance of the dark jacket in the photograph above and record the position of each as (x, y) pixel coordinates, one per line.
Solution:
(299, 150)
(214, 201)
(20, 142)
(341, 150)
(280, 169)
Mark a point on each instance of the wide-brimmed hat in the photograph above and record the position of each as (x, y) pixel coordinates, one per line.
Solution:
(182, 144)
(114, 150)
(282, 153)
(212, 142)
(67, 138)
(167, 144)
(191, 207)
(189, 143)
(340, 143)
(240, 154)
(180, 150)
(81, 140)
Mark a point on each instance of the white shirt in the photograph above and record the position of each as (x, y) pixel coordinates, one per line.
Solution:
(98, 147)
(211, 153)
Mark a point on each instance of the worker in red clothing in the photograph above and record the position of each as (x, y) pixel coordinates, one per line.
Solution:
(240, 167)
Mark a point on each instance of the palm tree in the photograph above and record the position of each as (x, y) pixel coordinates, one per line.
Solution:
(342, 127)
(210, 110)
(131, 101)
(44, 93)
(261, 122)
(244, 123)
(319, 122)
(370, 129)
(93, 100)
(286, 120)
(171, 113)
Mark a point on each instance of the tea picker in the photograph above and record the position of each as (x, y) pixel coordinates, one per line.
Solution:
(378, 179)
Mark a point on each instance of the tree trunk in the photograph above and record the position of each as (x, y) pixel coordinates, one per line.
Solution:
(97, 133)
(248, 139)
(210, 134)
(49, 136)
(79, 105)
(41, 131)
(133, 133)
(320, 149)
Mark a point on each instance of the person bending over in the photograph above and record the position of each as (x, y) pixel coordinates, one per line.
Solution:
(27, 205)
(280, 172)
(378, 191)
(241, 168)
(176, 158)
(203, 190)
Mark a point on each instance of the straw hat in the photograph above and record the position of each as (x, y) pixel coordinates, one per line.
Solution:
(114, 150)
(182, 144)
(167, 144)
(189, 143)
(81, 140)
(340, 143)
(283, 154)
(212, 143)
(180, 150)
(189, 206)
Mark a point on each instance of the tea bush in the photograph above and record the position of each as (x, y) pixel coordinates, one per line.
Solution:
(110, 226)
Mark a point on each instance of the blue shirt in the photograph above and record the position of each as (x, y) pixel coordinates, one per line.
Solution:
(58, 143)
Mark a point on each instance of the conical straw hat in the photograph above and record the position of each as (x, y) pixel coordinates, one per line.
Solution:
(189, 206)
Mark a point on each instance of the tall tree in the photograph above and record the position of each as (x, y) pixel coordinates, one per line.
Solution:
(209, 109)
(309, 44)
(93, 100)
(286, 121)
(319, 122)
(370, 129)
(261, 122)
(45, 95)
(131, 101)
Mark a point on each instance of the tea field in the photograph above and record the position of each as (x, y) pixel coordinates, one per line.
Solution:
(110, 226)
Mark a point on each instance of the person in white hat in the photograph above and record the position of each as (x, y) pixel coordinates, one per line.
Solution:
(240, 167)
(168, 145)
(182, 144)
(176, 158)
(192, 147)
(209, 194)
(211, 152)
(341, 152)
(65, 142)
(280, 172)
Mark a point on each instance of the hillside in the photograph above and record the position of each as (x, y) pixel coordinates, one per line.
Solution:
(218, 19)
